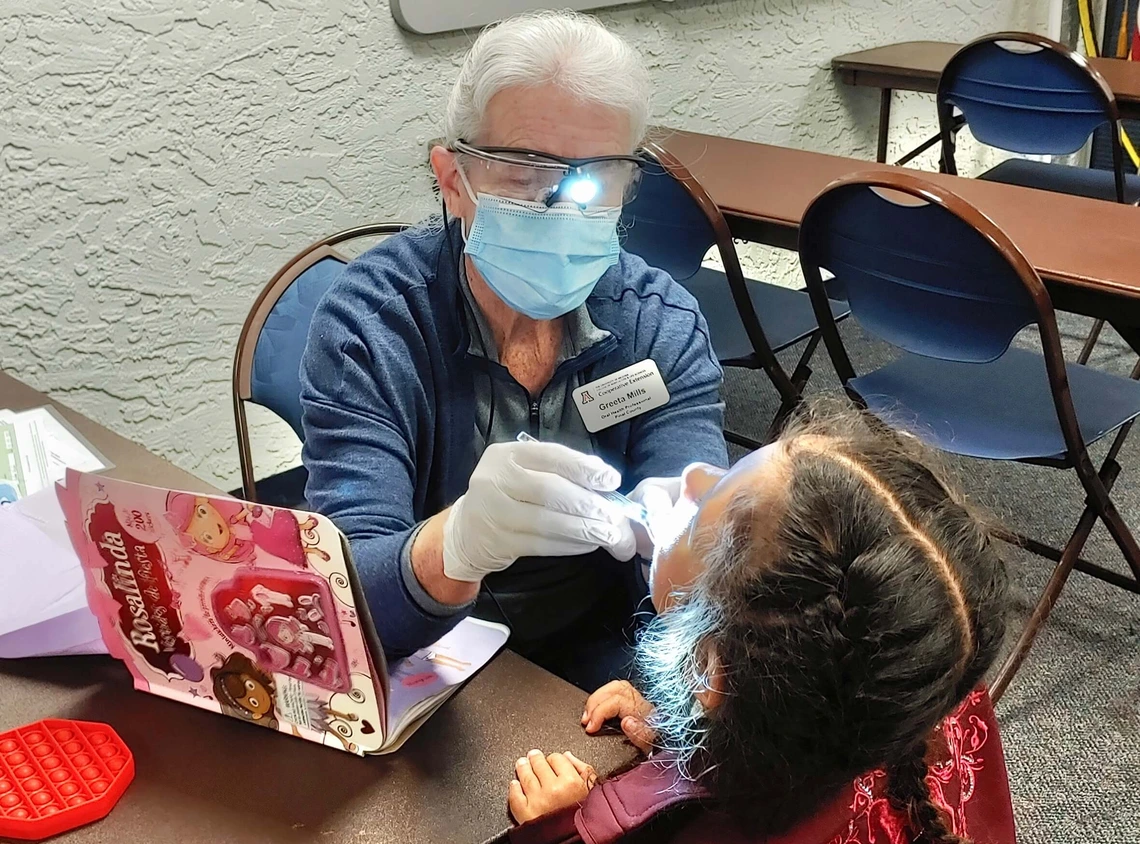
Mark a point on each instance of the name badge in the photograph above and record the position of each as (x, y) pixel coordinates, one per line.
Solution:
(626, 393)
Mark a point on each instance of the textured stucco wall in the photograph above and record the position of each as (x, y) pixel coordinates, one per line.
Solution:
(159, 160)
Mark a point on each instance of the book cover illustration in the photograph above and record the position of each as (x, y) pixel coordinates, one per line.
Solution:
(242, 609)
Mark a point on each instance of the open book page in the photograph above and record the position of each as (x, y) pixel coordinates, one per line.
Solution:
(422, 682)
(234, 607)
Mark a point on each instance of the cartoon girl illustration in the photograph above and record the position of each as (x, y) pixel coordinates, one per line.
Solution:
(231, 531)
(244, 691)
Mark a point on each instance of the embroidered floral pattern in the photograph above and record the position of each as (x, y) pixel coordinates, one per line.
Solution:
(873, 820)
(952, 781)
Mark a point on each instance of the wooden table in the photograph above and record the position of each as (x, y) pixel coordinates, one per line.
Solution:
(204, 778)
(764, 190)
(916, 66)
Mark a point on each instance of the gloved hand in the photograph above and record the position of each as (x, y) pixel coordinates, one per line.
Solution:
(658, 496)
(529, 499)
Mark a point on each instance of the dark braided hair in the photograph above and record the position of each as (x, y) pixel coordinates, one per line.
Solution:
(907, 790)
(849, 619)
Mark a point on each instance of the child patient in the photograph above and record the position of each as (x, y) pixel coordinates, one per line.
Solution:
(826, 609)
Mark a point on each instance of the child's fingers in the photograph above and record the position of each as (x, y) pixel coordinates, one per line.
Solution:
(605, 692)
(602, 711)
(591, 703)
(640, 734)
(613, 700)
(516, 801)
(526, 775)
(584, 770)
(561, 766)
(579, 766)
(541, 767)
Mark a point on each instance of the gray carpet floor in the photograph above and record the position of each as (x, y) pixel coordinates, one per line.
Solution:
(1071, 719)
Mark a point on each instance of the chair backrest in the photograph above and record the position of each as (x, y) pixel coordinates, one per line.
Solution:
(928, 273)
(915, 274)
(275, 380)
(664, 224)
(267, 363)
(671, 224)
(1026, 93)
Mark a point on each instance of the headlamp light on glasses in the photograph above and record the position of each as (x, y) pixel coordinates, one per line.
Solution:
(592, 184)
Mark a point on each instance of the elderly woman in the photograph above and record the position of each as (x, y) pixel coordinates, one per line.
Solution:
(519, 314)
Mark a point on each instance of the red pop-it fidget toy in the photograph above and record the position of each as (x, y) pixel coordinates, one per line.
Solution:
(56, 775)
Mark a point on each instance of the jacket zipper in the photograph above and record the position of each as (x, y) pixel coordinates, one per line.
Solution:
(535, 406)
(566, 368)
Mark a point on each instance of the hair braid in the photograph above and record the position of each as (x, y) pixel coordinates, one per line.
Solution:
(908, 792)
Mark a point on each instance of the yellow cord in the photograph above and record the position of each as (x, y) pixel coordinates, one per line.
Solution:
(1125, 141)
(1087, 28)
(1091, 51)
(1128, 148)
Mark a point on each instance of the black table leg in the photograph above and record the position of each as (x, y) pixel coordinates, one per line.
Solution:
(884, 123)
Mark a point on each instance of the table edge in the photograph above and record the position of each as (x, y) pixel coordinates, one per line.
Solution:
(853, 60)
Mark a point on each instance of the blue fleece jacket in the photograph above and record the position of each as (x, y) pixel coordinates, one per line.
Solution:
(388, 405)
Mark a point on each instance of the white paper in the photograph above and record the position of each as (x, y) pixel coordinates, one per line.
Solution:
(44, 511)
(48, 572)
(43, 605)
(39, 578)
(95, 646)
(72, 633)
(36, 448)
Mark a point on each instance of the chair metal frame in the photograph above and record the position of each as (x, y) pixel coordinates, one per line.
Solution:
(1097, 482)
(789, 387)
(948, 124)
(259, 312)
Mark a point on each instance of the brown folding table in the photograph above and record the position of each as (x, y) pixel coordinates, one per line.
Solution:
(205, 778)
(1087, 250)
(916, 66)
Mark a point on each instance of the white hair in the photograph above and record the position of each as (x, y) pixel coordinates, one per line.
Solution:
(572, 51)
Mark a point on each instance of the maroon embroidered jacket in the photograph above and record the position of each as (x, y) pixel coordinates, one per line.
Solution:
(967, 778)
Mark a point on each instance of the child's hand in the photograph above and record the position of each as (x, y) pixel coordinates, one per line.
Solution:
(619, 699)
(546, 784)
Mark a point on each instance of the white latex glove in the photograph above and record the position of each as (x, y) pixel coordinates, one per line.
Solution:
(658, 496)
(532, 500)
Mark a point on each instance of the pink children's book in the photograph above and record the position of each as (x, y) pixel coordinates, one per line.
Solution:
(255, 612)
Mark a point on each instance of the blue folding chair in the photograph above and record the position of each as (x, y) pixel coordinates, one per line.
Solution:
(672, 223)
(267, 364)
(1029, 94)
(929, 274)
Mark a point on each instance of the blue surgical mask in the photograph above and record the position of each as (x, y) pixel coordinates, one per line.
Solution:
(542, 261)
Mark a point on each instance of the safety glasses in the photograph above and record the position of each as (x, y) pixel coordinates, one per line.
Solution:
(593, 184)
